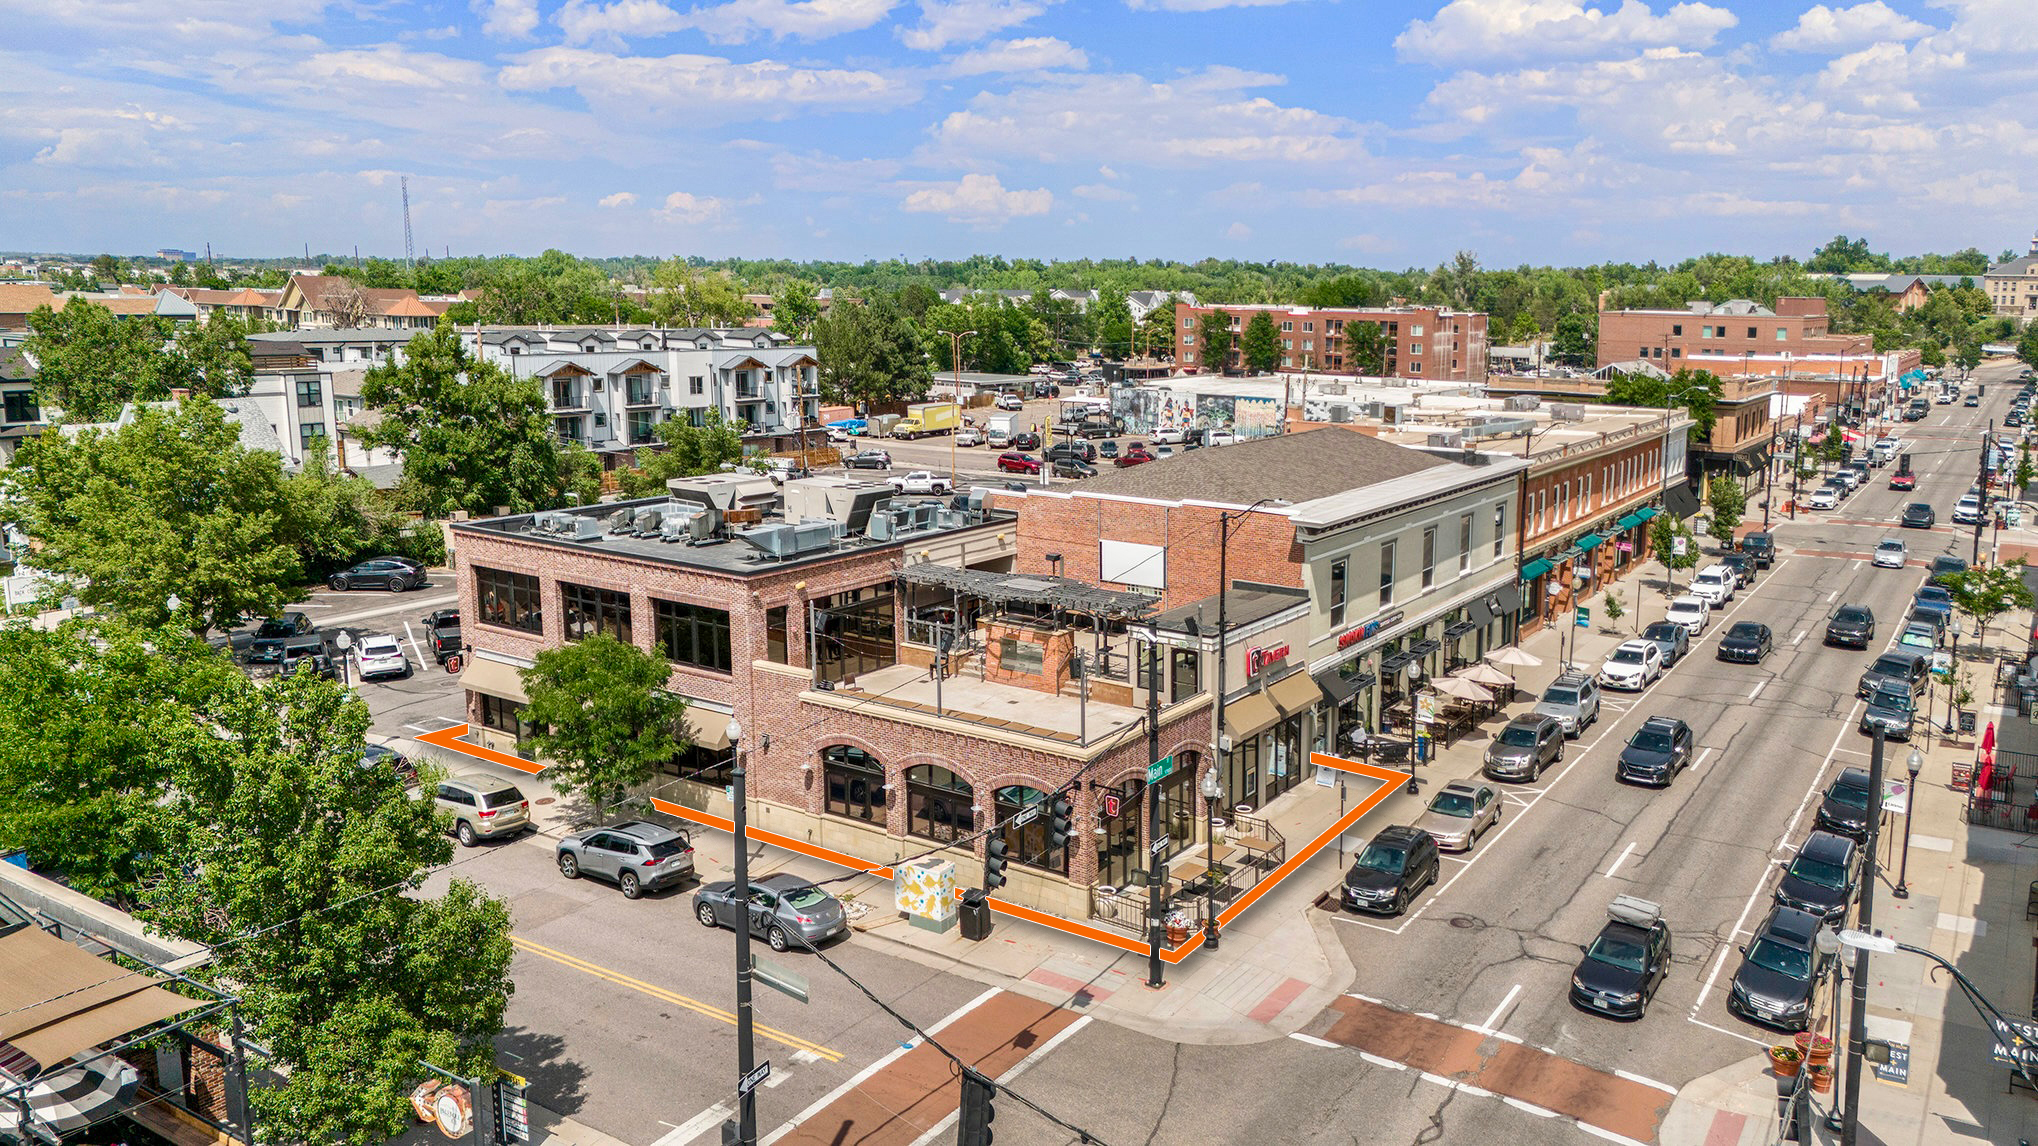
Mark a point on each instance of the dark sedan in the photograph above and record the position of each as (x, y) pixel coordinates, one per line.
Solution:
(267, 647)
(869, 460)
(1852, 625)
(392, 573)
(1662, 747)
(1674, 639)
(1821, 879)
(1747, 642)
(1844, 808)
(1626, 962)
(1073, 468)
(1918, 514)
(1891, 707)
(782, 909)
(1945, 566)
(1778, 971)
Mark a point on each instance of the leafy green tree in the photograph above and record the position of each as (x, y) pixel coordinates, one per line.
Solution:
(1576, 342)
(1832, 447)
(2026, 471)
(795, 309)
(871, 353)
(1729, 502)
(1664, 532)
(605, 722)
(302, 869)
(1696, 392)
(689, 451)
(1967, 354)
(81, 774)
(686, 295)
(333, 517)
(1157, 331)
(1111, 318)
(1216, 337)
(1844, 254)
(1987, 592)
(472, 436)
(217, 350)
(1366, 349)
(1261, 343)
(2027, 346)
(89, 363)
(169, 505)
(580, 474)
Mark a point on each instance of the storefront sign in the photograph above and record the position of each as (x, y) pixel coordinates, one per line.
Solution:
(1259, 657)
(1352, 637)
(1111, 805)
(1624, 546)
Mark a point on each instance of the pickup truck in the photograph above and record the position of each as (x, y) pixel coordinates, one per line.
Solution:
(922, 482)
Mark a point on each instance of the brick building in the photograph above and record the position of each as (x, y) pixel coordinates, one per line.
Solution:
(1422, 342)
(1717, 336)
(2012, 285)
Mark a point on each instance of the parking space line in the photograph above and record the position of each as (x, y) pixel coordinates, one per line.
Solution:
(1759, 686)
(1625, 853)
(1500, 1012)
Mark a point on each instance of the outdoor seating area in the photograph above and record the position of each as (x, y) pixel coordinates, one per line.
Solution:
(1448, 708)
(1209, 874)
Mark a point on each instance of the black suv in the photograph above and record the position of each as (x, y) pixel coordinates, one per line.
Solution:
(1626, 961)
(1911, 670)
(1527, 745)
(1845, 806)
(307, 651)
(1071, 448)
(392, 573)
(1760, 546)
(1851, 625)
(267, 647)
(1778, 971)
(1385, 877)
(1821, 879)
(1662, 747)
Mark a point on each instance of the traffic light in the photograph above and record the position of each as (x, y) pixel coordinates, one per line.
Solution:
(1060, 821)
(994, 864)
(977, 1111)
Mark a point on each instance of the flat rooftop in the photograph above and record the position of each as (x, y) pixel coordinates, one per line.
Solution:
(1023, 711)
(1292, 467)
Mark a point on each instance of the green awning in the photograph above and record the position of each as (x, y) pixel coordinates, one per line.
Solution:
(1589, 542)
(1630, 521)
(1648, 514)
(1535, 569)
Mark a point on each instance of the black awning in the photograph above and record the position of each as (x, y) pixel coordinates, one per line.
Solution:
(1481, 611)
(1505, 600)
(1393, 665)
(1339, 687)
(1424, 648)
(1453, 632)
(1680, 501)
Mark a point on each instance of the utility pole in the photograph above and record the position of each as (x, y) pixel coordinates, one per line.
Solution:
(1857, 1032)
(1981, 480)
(955, 338)
(1769, 476)
(1155, 871)
(1796, 458)
(746, 1050)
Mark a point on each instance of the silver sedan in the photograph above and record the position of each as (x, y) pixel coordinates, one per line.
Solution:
(778, 908)
(1460, 813)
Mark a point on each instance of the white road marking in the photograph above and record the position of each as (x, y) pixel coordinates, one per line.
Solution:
(412, 638)
(1858, 563)
(698, 1125)
(1670, 1090)
(1528, 1107)
(1376, 1060)
(858, 1078)
(1700, 762)
(1499, 1014)
(1625, 853)
(1609, 1135)
(1312, 1040)
(1833, 596)
(1724, 1031)
(1759, 686)
(943, 1127)
(1799, 638)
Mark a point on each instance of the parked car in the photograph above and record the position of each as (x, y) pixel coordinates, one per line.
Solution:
(1108, 448)
(1691, 612)
(1822, 877)
(1076, 448)
(395, 574)
(445, 643)
(1918, 514)
(1891, 553)
(1633, 665)
(1747, 642)
(1851, 625)
(308, 652)
(636, 856)
(778, 907)
(923, 482)
(868, 460)
(1460, 813)
(1891, 707)
(1220, 438)
(969, 436)
(1524, 747)
(1018, 463)
(1924, 636)
(1934, 599)
(440, 618)
(1844, 807)
(1385, 877)
(1168, 437)
(1967, 511)
(1779, 971)
(1072, 468)
(1715, 583)
(1824, 497)
(1025, 440)
(482, 807)
(1010, 402)
(1672, 638)
(1661, 748)
(1743, 566)
(381, 757)
(267, 645)
(380, 656)
(1760, 546)
(1944, 567)
(1908, 669)
(1626, 962)
(1572, 700)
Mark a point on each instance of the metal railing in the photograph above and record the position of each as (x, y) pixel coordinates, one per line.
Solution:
(2009, 800)
(1125, 908)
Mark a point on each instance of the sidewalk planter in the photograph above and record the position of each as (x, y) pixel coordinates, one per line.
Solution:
(1785, 1060)
(1178, 928)
(1816, 1051)
(1822, 1079)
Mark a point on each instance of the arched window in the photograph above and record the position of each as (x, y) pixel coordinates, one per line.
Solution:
(1027, 843)
(855, 781)
(938, 804)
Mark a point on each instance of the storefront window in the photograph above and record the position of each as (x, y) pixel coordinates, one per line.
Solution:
(708, 766)
(1027, 843)
(508, 599)
(1119, 810)
(1186, 674)
(855, 781)
(505, 716)
(938, 804)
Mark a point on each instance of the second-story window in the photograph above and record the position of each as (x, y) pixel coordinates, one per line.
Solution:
(1499, 527)
(1337, 592)
(310, 392)
(1386, 573)
(1465, 543)
(590, 610)
(1429, 556)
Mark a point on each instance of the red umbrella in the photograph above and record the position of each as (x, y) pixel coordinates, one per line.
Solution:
(1988, 740)
(1988, 774)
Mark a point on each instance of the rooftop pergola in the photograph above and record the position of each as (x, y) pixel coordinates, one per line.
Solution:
(1063, 593)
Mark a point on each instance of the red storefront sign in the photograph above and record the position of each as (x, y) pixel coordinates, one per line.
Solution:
(1259, 657)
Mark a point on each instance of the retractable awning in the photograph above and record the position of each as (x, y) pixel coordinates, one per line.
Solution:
(1249, 715)
(1630, 521)
(1536, 568)
(1296, 692)
(707, 728)
(1589, 542)
(494, 678)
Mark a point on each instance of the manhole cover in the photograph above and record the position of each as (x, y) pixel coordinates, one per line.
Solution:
(1466, 922)
(542, 800)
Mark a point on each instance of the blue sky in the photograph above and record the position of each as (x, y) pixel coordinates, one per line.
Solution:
(1379, 132)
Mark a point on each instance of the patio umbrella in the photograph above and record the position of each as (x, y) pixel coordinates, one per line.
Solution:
(1988, 740)
(1485, 674)
(1513, 656)
(1462, 689)
(72, 1098)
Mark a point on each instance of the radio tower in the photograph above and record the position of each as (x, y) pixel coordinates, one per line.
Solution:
(407, 249)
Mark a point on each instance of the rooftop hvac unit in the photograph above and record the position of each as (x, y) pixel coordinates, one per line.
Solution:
(551, 522)
(1447, 439)
(692, 524)
(726, 491)
(1371, 409)
(1522, 402)
(781, 541)
(620, 521)
(1567, 412)
(1341, 412)
(646, 523)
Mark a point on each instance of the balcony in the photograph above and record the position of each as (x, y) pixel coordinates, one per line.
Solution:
(641, 390)
(568, 398)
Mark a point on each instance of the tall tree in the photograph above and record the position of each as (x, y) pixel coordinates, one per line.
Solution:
(795, 309)
(1216, 337)
(1112, 320)
(871, 353)
(1261, 344)
(1576, 342)
(302, 869)
(689, 451)
(2027, 346)
(169, 505)
(686, 295)
(1988, 592)
(333, 517)
(90, 363)
(472, 436)
(1365, 349)
(1664, 533)
(1696, 392)
(1729, 501)
(1157, 331)
(217, 350)
(605, 722)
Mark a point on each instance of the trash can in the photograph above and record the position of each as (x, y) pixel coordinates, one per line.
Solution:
(976, 915)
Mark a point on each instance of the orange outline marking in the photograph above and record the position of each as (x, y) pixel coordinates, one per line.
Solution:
(449, 738)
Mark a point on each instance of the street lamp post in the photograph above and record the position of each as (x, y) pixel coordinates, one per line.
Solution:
(1857, 1036)
(1212, 792)
(2014, 1037)
(1414, 682)
(746, 1050)
(1952, 677)
(955, 338)
(343, 642)
(1916, 764)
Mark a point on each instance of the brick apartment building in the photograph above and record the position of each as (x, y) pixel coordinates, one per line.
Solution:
(1422, 342)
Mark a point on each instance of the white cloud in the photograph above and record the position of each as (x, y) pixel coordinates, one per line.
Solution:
(946, 22)
(1033, 54)
(1102, 192)
(828, 174)
(647, 87)
(1471, 31)
(809, 20)
(978, 199)
(1199, 5)
(589, 22)
(620, 199)
(1823, 29)
(683, 207)
(1238, 232)
(1202, 118)
(507, 19)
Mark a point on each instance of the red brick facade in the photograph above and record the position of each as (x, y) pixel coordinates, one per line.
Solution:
(1424, 342)
(1263, 547)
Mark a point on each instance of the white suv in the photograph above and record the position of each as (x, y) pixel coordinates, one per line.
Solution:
(1632, 666)
(1694, 613)
(1968, 511)
(1715, 583)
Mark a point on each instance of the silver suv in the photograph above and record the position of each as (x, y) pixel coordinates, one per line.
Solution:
(482, 807)
(638, 857)
(1572, 700)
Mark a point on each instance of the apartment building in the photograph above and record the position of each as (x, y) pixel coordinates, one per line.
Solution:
(2012, 285)
(20, 416)
(1419, 342)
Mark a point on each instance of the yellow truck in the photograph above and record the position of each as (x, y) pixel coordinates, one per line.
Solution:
(923, 418)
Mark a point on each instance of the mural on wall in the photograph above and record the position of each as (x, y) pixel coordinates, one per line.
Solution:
(1256, 417)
